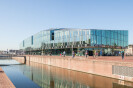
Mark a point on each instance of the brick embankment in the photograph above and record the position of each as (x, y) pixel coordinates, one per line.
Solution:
(109, 66)
(5, 81)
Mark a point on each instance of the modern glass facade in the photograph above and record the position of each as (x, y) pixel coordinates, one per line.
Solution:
(109, 37)
(58, 40)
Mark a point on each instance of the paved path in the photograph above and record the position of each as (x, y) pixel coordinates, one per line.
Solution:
(128, 59)
(114, 58)
(105, 58)
(5, 81)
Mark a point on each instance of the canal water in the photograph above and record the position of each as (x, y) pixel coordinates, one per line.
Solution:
(35, 75)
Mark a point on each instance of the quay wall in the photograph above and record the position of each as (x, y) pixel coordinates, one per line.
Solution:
(5, 82)
(101, 66)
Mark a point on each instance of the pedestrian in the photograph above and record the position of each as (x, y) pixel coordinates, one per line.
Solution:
(86, 53)
(64, 53)
(50, 53)
(94, 53)
(101, 53)
(73, 54)
(122, 54)
(119, 53)
(61, 54)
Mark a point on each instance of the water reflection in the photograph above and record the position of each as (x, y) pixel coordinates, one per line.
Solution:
(13, 72)
(53, 77)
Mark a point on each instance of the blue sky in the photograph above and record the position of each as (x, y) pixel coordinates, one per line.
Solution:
(20, 19)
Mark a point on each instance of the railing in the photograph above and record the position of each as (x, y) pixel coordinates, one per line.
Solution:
(122, 70)
(6, 56)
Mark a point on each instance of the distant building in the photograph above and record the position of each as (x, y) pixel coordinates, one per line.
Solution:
(16, 52)
(55, 41)
(3, 52)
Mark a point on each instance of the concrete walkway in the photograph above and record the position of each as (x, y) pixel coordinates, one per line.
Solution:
(127, 59)
(103, 58)
(5, 81)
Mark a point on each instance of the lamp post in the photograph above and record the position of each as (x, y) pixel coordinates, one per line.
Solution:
(30, 51)
(42, 50)
(72, 49)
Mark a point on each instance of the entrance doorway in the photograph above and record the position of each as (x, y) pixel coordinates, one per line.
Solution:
(90, 53)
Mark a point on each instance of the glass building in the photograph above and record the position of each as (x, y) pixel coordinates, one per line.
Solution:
(56, 41)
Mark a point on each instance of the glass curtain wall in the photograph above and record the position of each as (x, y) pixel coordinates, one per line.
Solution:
(109, 37)
(58, 40)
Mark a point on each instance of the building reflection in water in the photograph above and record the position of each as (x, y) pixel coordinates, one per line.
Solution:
(53, 77)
